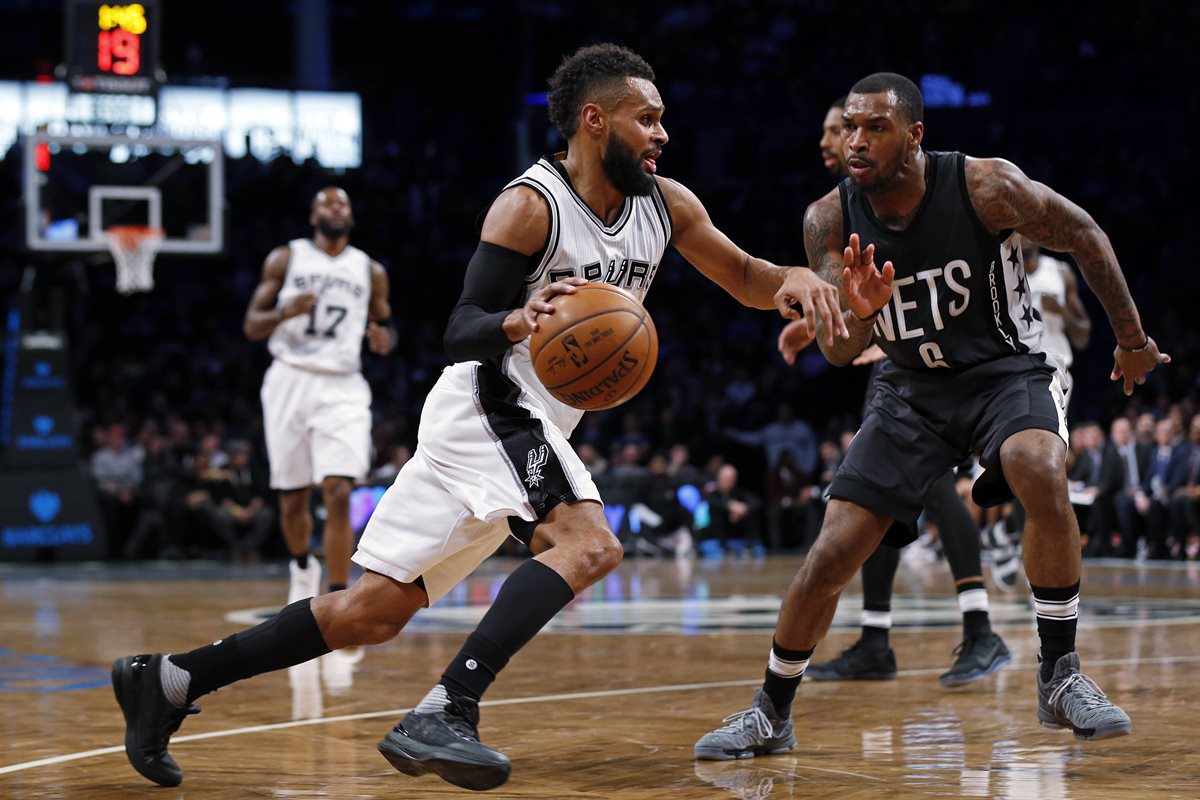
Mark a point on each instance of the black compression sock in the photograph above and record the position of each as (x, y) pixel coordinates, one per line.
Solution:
(784, 672)
(301, 560)
(290, 637)
(529, 598)
(1057, 618)
(874, 639)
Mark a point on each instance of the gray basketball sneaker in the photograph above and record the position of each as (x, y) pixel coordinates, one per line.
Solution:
(1073, 700)
(757, 731)
(446, 743)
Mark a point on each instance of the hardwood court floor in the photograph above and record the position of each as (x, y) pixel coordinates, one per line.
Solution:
(609, 701)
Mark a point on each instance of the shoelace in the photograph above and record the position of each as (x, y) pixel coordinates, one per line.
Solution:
(967, 645)
(743, 719)
(173, 723)
(1091, 697)
(459, 720)
(849, 652)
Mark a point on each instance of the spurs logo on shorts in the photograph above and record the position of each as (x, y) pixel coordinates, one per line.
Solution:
(534, 461)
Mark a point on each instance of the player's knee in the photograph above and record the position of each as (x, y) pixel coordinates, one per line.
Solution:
(336, 492)
(1030, 471)
(377, 631)
(358, 625)
(599, 552)
(826, 574)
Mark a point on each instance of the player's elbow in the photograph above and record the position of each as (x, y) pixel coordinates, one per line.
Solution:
(253, 332)
(454, 346)
(835, 355)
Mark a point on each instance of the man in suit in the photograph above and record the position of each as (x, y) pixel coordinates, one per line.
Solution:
(1135, 463)
(1185, 501)
(1166, 473)
(1098, 469)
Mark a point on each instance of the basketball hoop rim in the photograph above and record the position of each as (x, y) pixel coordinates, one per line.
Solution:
(131, 237)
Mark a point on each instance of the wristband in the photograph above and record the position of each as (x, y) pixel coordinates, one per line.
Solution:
(870, 319)
(1143, 347)
(390, 327)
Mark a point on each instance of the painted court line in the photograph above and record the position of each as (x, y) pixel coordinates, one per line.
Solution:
(548, 698)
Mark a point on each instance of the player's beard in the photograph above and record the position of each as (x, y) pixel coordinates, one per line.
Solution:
(624, 169)
(883, 179)
(332, 231)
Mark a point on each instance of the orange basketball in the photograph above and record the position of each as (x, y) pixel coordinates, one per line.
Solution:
(597, 349)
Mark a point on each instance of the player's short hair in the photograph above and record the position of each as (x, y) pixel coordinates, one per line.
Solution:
(329, 187)
(586, 76)
(839, 103)
(908, 96)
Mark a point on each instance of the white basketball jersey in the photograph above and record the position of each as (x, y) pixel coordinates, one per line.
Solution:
(1047, 281)
(330, 338)
(625, 254)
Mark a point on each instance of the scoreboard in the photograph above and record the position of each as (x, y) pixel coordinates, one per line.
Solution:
(112, 48)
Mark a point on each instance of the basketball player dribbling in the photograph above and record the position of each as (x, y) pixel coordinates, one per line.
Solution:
(950, 308)
(316, 299)
(493, 459)
(981, 651)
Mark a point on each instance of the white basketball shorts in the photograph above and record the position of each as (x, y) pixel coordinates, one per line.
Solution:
(316, 425)
(488, 464)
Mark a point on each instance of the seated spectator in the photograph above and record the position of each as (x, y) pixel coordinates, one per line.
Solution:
(1135, 461)
(787, 498)
(1185, 500)
(733, 514)
(156, 530)
(1096, 475)
(117, 469)
(813, 498)
(664, 524)
(1166, 473)
(243, 516)
(199, 485)
(680, 467)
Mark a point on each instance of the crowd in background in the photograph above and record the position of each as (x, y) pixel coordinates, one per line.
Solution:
(167, 385)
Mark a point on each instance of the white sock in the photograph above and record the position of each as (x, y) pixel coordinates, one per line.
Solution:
(175, 681)
(433, 702)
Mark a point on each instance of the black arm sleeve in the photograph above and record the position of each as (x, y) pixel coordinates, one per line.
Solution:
(492, 286)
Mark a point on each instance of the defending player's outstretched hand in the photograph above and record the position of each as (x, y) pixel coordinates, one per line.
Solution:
(867, 289)
(1134, 365)
(794, 337)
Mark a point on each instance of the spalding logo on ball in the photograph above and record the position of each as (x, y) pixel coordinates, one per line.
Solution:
(597, 350)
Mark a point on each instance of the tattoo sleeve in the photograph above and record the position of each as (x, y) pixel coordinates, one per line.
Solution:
(1004, 198)
(823, 242)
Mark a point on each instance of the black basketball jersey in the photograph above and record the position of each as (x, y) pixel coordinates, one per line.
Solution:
(961, 297)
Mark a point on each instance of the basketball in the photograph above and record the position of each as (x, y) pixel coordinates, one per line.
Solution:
(597, 350)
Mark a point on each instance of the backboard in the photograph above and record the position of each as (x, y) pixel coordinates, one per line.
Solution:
(76, 187)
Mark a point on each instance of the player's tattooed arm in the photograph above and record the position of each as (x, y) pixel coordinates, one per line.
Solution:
(1004, 198)
(824, 242)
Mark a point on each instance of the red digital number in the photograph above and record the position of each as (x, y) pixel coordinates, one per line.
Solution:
(119, 51)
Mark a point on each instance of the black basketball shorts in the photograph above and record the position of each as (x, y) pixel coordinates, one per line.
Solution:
(923, 423)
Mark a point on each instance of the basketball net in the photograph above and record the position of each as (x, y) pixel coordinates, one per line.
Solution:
(133, 249)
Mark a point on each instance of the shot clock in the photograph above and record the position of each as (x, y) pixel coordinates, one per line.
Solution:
(112, 48)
